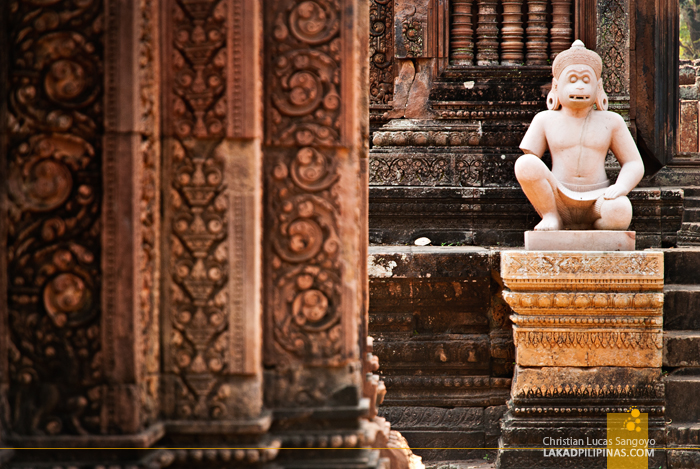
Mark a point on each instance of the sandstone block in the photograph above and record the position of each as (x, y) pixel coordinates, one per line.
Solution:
(585, 308)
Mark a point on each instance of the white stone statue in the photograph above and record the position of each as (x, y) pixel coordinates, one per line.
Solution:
(576, 193)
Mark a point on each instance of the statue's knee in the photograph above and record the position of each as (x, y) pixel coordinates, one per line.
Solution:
(617, 213)
(529, 168)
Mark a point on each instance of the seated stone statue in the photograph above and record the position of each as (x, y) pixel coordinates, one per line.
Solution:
(576, 193)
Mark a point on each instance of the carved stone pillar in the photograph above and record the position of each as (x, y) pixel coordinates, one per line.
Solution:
(315, 227)
(588, 335)
(461, 33)
(512, 45)
(80, 226)
(487, 33)
(536, 32)
(212, 304)
(561, 32)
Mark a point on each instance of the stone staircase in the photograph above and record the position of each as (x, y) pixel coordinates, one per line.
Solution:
(682, 352)
(689, 234)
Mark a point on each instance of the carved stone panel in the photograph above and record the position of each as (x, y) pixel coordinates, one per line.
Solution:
(312, 174)
(613, 46)
(411, 28)
(211, 328)
(381, 43)
(53, 158)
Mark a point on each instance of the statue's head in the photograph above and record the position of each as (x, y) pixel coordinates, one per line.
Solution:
(577, 82)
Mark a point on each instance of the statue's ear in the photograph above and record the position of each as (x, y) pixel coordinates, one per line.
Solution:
(552, 98)
(601, 99)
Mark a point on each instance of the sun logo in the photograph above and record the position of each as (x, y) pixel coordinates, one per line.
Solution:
(631, 422)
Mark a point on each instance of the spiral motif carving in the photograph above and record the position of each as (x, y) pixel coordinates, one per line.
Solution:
(305, 83)
(304, 239)
(66, 299)
(310, 306)
(65, 80)
(310, 170)
(47, 185)
(313, 22)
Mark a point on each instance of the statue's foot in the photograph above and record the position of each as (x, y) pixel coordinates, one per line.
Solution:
(550, 222)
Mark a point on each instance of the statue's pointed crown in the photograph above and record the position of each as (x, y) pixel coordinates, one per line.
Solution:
(577, 54)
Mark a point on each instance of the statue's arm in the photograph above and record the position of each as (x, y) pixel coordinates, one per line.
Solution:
(535, 140)
(626, 152)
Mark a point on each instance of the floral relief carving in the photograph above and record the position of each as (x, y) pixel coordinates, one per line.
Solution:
(199, 58)
(199, 262)
(589, 264)
(149, 206)
(613, 44)
(589, 340)
(306, 299)
(412, 32)
(304, 98)
(198, 304)
(54, 125)
(381, 44)
(303, 116)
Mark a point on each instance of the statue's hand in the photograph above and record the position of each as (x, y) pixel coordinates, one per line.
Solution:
(613, 192)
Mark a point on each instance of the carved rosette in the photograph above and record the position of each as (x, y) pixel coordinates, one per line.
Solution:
(585, 309)
(54, 159)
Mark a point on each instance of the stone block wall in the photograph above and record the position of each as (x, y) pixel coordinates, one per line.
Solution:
(444, 341)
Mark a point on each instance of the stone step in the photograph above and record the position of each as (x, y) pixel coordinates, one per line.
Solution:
(691, 216)
(682, 403)
(691, 202)
(693, 191)
(682, 348)
(682, 266)
(688, 235)
(488, 462)
(681, 307)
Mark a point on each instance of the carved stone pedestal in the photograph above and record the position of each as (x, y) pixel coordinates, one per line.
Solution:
(588, 334)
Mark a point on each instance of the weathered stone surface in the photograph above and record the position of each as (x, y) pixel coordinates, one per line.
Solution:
(688, 132)
(682, 389)
(439, 333)
(429, 428)
(591, 240)
(681, 348)
(681, 307)
(491, 216)
(680, 266)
